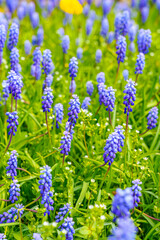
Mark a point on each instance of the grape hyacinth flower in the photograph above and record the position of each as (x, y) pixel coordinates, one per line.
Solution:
(113, 145)
(34, 40)
(140, 64)
(86, 103)
(14, 191)
(79, 53)
(65, 144)
(136, 191)
(12, 122)
(104, 28)
(12, 5)
(12, 165)
(36, 68)
(35, 19)
(40, 36)
(14, 60)
(110, 37)
(122, 203)
(65, 43)
(74, 110)
(72, 86)
(110, 99)
(5, 86)
(129, 98)
(20, 12)
(73, 69)
(90, 87)
(47, 100)
(119, 129)
(106, 6)
(47, 63)
(125, 74)
(27, 47)
(45, 184)
(152, 118)
(86, 10)
(13, 36)
(15, 85)
(132, 47)
(89, 25)
(125, 230)
(121, 49)
(98, 56)
(144, 40)
(58, 112)
(2, 40)
(102, 93)
(12, 214)
(132, 33)
(101, 77)
(37, 236)
(63, 212)
(48, 81)
(68, 227)
(145, 13)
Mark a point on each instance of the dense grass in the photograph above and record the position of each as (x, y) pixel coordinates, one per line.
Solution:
(81, 181)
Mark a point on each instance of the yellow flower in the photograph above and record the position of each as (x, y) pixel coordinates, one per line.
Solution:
(71, 6)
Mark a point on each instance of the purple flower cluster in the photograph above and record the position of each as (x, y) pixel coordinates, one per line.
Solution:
(5, 86)
(90, 87)
(14, 60)
(79, 53)
(48, 81)
(125, 230)
(113, 145)
(136, 191)
(122, 24)
(89, 25)
(74, 110)
(122, 203)
(125, 74)
(15, 84)
(63, 212)
(12, 122)
(144, 40)
(121, 49)
(45, 184)
(65, 43)
(40, 36)
(34, 19)
(47, 100)
(36, 68)
(12, 214)
(13, 36)
(47, 63)
(14, 191)
(130, 97)
(12, 5)
(100, 77)
(152, 118)
(104, 27)
(66, 143)
(68, 227)
(102, 93)
(110, 99)
(27, 47)
(86, 103)
(98, 56)
(58, 112)
(2, 40)
(12, 165)
(140, 63)
(73, 67)
(106, 6)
